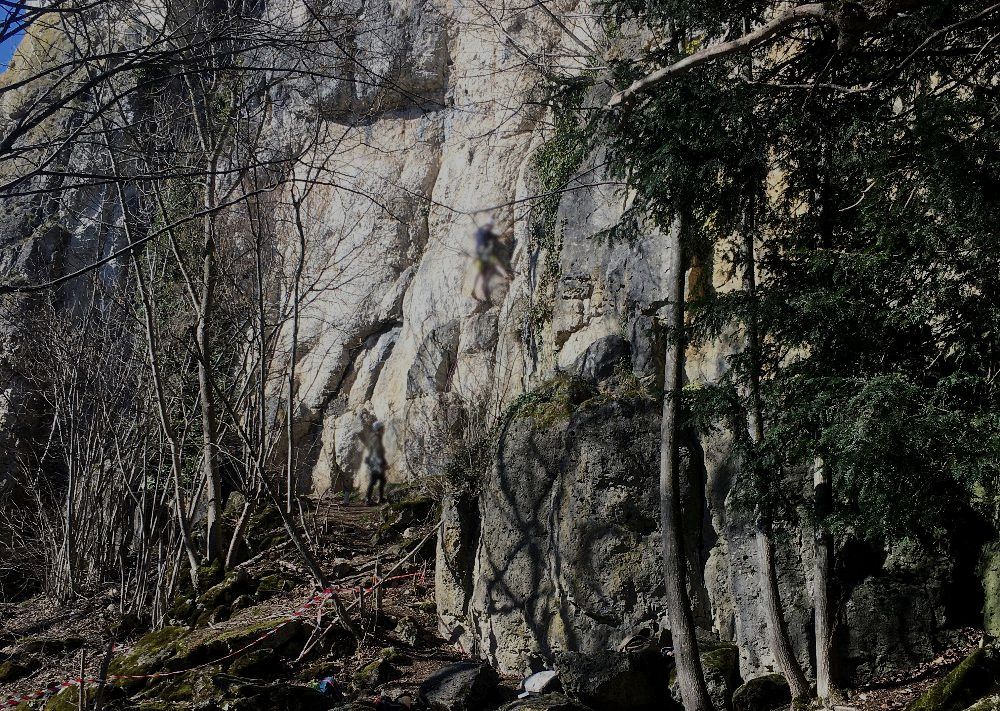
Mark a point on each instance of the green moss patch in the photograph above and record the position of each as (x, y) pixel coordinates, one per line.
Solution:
(556, 400)
(271, 585)
(380, 671)
(13, 670)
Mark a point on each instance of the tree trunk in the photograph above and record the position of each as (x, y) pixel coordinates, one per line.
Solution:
(215, 547)
(823, 561)
(777, 628)
(292, 356)
(694, 695)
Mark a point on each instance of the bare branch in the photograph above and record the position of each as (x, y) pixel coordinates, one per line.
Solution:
(810, 11)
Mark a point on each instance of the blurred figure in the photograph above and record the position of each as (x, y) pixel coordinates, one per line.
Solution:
(375, 459)
(490, 261)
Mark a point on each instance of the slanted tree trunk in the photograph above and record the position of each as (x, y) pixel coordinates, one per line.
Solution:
(777, 628)
(823, 561)
(694, 694)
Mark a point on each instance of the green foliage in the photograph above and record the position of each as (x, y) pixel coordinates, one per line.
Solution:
(863, 171)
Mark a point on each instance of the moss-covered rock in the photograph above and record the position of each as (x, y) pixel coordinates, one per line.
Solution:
(555, 400)
(271, 585)
(413, 507)
(720, 663)
(320, 670)
(14, 669)
(253, 664)
(68, 699)
(379, 671)
(615, 681)
(197, 685)
(149, 654)
(762, 693)
(218, 603)
(283, 696)
(721, 666)
(173, 649)
(276, 635)
(232, 586)
(183, 608)
(265, 528)
(970, 681)
(159, 705)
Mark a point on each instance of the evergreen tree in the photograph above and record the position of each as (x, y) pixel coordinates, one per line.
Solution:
(843, 157)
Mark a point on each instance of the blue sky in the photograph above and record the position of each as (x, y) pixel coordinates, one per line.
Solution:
(7, 46)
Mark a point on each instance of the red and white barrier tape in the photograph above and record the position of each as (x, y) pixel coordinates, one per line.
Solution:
(317, 601)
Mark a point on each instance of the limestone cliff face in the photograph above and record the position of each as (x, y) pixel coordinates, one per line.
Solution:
(558, 546)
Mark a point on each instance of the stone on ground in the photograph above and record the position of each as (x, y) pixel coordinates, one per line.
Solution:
(762, 693)
(460, 687)
(615, 681)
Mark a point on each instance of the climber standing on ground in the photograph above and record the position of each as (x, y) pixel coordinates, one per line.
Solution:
(375, 459)
(490, 261)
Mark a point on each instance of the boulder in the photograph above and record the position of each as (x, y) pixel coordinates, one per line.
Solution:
(721, 666)
(407, 631)
(542, 682)
(568, 510)
(14, 669)
(977, 676)
(601, 358)
(615, 681)
(380, 671)
(762, 693)
(892, 615)
(460, 687)
(255, 663)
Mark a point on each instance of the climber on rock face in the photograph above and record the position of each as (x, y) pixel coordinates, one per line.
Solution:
(375, 459)
(490, 261)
